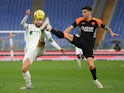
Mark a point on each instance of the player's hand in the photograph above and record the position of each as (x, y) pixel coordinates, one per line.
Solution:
(114, 34)
(62, 50)
(28, 12)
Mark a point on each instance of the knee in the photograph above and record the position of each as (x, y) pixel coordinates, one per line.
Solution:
(91, 67)
(68, 36)
(25, 66)
(24, 69)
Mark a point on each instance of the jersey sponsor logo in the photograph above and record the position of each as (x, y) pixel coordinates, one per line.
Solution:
(87, 29)
(35, 33)
(93, 23)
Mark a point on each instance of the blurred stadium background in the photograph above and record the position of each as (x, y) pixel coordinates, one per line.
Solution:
(61, 13)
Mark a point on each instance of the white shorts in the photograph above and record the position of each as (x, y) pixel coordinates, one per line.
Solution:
(33, 53)
(78, 51)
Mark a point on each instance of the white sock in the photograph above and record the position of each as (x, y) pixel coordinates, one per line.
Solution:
(27, 78)
(79, 62)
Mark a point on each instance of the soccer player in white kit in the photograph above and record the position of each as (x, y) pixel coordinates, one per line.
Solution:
(35, 44)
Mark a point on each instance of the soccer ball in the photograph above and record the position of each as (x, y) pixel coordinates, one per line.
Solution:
(39, 14)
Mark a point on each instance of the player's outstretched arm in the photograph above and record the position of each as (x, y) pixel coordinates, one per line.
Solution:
(53, 43)
(23, 22)
(68, 29)
(111, 32)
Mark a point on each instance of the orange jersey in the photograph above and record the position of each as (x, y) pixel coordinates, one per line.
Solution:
(88, 28)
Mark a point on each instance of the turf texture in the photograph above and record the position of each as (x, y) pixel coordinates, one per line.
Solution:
(63, 77)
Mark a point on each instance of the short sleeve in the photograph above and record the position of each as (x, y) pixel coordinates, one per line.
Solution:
(74, 24)
(102, 25)
(99, 22)
(25, 26)
(77, 21)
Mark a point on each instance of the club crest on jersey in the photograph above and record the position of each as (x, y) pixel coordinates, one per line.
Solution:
(35, 33)
(82, 23)
(93, 23)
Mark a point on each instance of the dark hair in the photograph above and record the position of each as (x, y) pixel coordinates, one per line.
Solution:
(87, 8)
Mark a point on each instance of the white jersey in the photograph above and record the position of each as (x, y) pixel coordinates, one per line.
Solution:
(34, 35)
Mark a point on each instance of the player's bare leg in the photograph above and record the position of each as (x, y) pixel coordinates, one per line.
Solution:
(26, 75)
(65, 35)
(90, 61)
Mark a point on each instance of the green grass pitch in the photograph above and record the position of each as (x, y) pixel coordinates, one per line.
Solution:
(63, 77)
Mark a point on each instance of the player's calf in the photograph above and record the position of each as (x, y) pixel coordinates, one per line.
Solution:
(25, 65)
